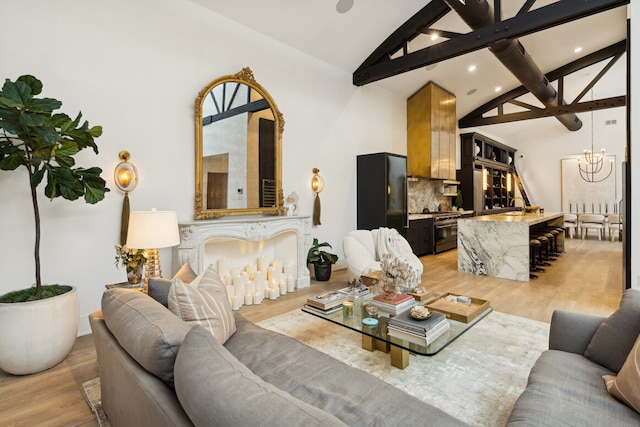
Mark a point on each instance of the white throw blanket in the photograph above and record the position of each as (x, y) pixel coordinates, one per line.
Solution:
(389, 241)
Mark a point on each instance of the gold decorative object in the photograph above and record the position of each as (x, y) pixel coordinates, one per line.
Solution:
(125, 176)
(317, 185)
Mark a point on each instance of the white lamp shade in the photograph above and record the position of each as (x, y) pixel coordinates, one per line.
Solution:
(153, 229)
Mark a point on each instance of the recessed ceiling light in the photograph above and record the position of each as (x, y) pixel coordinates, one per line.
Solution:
(577, 50)
(434, 36)
(472, 68)
(472, 91)
(344, 6)
(498, 89)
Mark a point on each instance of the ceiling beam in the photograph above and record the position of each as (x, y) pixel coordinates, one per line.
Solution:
(537, 113)
(613, 52)
(379, 65)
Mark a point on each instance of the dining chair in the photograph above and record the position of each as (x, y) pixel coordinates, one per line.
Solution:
(592, 221)
(615, 225)
(571, 224)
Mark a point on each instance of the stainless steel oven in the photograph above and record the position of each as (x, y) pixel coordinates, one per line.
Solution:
(445, 231)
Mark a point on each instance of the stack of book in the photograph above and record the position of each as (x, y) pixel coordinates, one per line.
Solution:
(326, 303)
(422, 332)
(400, 303)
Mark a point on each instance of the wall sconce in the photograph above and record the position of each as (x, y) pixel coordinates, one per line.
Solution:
(125, 176)
(317, 185)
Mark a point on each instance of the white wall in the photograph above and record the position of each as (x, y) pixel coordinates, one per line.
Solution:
(135, 68)
(635, 146)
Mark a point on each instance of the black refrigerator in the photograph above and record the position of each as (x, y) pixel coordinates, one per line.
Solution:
(382, 192)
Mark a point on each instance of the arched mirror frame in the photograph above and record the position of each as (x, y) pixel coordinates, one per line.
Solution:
(245, 77)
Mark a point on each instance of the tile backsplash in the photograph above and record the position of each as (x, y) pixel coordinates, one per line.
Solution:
(424, 194)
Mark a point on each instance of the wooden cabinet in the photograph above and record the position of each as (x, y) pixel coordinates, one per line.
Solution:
(431, 133)
(420, 236)
(487, 176)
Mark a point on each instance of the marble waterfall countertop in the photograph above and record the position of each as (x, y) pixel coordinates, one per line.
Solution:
(498, 245)
(516, 216)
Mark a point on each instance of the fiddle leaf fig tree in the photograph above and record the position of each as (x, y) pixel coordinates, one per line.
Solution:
(44, 143)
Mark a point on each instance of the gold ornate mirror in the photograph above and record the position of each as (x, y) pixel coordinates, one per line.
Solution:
(238, 149)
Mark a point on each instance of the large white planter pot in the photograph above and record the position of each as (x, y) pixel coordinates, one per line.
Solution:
(37, 335)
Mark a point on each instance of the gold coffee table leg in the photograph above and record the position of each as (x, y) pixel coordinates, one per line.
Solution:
(399, 357)
(368, 342)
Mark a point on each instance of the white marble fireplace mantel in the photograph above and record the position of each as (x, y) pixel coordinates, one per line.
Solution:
(243, 239)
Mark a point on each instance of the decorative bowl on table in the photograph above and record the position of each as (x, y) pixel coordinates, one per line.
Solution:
(420, 312)
(531, 209)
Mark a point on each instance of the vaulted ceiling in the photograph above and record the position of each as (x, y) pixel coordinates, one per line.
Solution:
(346, 40)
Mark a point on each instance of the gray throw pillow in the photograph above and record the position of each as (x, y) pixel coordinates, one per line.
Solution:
(214, 388)
(158, 288)
(150, 333)
(615, 337)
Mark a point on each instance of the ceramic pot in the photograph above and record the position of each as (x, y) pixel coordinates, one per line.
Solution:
(37, 335)
(322, 272)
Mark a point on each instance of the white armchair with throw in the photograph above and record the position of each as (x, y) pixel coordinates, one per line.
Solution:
(363, 250)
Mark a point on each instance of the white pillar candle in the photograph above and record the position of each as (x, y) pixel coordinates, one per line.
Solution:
(274, 293)
(248, 299)
(250, 288)
(223, 267)
(291, 284)
(230, 290)
(271, 271)
(289, 270)
(277, 264)
(261, 274)
(283, 287)
(228, 280)
(250, 268)
(257, 297)
(262, 263)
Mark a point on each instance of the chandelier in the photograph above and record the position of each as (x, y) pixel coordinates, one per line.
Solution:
(590, 164)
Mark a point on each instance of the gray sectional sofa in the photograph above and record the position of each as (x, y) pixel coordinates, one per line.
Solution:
(565, 386)
(156, 370)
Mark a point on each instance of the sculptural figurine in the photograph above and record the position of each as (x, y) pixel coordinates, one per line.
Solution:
(291, 203)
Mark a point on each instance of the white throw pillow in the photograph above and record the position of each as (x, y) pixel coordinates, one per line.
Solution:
(205, 303)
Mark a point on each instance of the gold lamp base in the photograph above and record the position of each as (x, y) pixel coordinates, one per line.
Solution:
(153, 267)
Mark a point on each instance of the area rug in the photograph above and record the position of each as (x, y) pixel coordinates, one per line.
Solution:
(477, 378)
(91, 393)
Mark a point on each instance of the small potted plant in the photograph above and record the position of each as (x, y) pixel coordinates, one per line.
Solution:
(133, 260)
(321, 260)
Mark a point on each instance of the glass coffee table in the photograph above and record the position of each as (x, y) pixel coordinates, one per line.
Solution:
(376, 337)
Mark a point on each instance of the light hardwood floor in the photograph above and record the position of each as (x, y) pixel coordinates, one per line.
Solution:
(587, 278)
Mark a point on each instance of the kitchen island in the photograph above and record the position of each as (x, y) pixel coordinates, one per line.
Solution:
(498, 245)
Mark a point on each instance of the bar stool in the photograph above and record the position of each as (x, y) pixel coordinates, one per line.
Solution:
(534, 257)
(545, 251)
(555, 232)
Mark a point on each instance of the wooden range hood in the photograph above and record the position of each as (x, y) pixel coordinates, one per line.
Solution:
(431, 133)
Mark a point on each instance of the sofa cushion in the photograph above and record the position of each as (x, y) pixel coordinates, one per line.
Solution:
(356, 397)
(214, 388)
(150, 333)
(567, 389)
(613, 340)
(207, 305)
(626, 385)
(158, 288)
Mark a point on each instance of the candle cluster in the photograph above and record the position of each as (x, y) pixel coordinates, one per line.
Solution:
(253, 283)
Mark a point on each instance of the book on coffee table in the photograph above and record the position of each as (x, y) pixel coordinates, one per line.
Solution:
(321, 311)
(327, 300)
(423, 339)
(400, 303)
(404, 320)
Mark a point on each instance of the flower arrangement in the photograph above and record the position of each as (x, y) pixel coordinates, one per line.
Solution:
(130, 258)
(397, 273)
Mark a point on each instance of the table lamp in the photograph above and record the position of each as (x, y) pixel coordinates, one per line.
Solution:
(151, 230)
